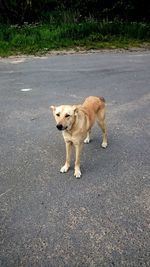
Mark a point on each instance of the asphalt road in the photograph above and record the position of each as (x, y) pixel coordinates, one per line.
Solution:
(53, 219)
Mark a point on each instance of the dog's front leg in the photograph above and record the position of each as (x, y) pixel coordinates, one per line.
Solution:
(77, 172)
(65, 168)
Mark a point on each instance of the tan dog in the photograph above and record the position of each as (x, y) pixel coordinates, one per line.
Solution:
(75, 122)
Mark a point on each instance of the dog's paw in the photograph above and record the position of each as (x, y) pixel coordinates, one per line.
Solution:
(104, 145)
(86, 140)
(64, 169)
(77, 173)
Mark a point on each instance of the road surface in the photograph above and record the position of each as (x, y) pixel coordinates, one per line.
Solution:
(53, 219)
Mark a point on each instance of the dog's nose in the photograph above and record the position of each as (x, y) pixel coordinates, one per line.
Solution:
(59, 127)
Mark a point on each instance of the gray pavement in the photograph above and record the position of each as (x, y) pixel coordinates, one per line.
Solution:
(53, 219)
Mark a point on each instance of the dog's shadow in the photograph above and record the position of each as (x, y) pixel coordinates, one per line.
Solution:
(93, 156)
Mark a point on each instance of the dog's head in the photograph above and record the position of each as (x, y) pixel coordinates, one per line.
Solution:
(64, 116)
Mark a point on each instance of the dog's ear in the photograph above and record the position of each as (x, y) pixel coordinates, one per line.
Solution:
(52, 108)
(75, 110)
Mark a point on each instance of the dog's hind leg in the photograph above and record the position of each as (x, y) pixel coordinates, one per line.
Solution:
(101, 122)
(87, 139)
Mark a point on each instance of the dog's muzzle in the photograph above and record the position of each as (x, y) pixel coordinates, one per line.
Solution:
(60, 127)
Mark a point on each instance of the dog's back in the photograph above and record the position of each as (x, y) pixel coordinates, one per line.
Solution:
(91, 106)
(94, 103)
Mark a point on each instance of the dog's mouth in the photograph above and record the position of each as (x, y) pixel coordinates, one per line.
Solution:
(60, 127)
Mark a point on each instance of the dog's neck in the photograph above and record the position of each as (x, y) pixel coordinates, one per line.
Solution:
(77, 126)
(72, 126)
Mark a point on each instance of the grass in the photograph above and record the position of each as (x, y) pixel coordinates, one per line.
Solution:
(39, 39)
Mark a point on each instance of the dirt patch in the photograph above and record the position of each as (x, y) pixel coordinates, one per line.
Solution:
(21, 58)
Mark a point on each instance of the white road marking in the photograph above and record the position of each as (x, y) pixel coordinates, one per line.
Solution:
(26, 89)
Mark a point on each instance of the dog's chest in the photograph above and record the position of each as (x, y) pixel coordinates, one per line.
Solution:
(73, 138)
(68, 137)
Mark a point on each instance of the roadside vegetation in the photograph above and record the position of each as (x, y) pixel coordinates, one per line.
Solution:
(37, 27)
(41, 38)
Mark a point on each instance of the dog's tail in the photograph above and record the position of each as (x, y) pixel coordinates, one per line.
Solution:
(102, 98)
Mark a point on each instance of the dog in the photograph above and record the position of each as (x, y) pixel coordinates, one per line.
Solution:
(75, 122)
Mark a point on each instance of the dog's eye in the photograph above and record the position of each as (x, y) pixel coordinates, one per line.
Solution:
(57, 114)
(67, 115)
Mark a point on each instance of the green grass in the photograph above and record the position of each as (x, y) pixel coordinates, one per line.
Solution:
(39, 39)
